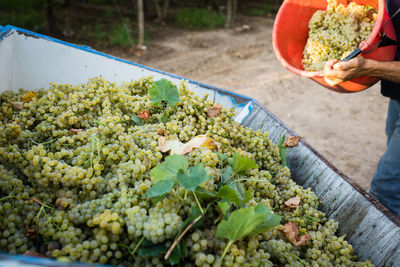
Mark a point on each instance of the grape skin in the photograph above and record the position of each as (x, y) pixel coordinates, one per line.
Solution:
(94, 181)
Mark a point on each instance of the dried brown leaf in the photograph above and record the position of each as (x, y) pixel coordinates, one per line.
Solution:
(292, 234)
(160, 131)
(32, 253)
(291, 141)
(144, 114)
(214, 111)
(76, 131)
(17, 106)
(293, 202)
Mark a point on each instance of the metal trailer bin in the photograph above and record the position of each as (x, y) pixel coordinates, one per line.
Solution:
(29, 60)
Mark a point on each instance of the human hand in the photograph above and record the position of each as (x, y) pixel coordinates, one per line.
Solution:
(336, 72)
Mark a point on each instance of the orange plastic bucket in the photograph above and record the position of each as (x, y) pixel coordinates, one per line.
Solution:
(290, 33)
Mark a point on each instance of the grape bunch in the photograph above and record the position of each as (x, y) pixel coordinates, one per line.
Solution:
(335, 32)
(149, 174)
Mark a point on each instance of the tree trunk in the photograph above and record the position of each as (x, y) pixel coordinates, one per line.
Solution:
(68, 18)
(228, 21)
(49, 17)
(231, 6)
(166, 7)
(158, 10)
(140, 23)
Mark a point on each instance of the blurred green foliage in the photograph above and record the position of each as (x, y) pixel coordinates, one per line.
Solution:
(121, 35)
(198, 18)
(23, 13)
(260, 10)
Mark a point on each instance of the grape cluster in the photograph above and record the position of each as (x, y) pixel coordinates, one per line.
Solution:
(75, 168)
(336, 32)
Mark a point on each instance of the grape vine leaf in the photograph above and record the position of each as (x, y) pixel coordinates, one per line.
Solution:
(270, 221)
(194, 213)
(227, 173)
(179, 253)
(204, 194)
(163, 117)
(282, 150)
(160, 188)
(137, 120)
(149, 249)
(169, 168)
(233, 195)
(242, 163)
(225, 206)
(246, 197)
(193, 178)
(244, 222)
(229, 194)
(222, 157)
(164, 90)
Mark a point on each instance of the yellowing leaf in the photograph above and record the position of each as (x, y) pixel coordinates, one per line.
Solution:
(28, 97)
(293, 202)
(144, 114)
(17, 105)
(214, 111)
(166, 145)
(292, 234)
(291, 141)
(198, 141)
(179, 148)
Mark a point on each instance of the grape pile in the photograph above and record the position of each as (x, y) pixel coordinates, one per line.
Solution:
(77, 168)
(336, 32)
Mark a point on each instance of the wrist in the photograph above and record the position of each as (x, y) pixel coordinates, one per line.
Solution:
(370, 67)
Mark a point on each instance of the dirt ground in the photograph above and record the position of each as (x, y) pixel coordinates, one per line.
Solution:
(347, 129)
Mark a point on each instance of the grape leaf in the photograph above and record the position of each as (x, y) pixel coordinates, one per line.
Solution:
(271, 220)
(242, 163)
(227, 173)
(222, 157)
(225, 206)
(164, 90)
(137, 120)
(169, 168)
(246, 197)
(234, 196)
(151, 250)
(195, 212)
(179, 253)
(246, 221)
(160, 188)
(229, 194)
(282, 151)
(193, 178)
(204, 194)
(163, 117)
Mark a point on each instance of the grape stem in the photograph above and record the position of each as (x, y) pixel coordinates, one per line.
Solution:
(181, 235)
(198, 203)
(226, 249)
(9, 195)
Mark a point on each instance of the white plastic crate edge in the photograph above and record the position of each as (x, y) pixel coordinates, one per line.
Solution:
(30, 61)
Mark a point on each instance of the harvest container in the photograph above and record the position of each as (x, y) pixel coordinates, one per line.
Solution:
(29, 60)
(290, 34)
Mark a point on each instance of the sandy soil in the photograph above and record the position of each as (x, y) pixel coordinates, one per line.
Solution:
(347, 129)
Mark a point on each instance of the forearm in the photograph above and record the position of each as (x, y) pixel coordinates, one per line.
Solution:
(387, 70)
